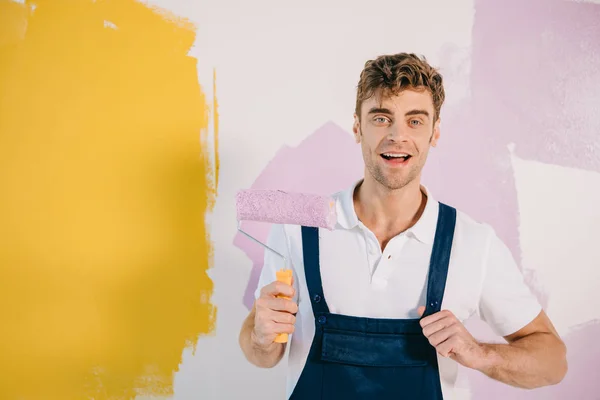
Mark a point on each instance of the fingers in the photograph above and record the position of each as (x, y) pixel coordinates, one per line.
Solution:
(282, 317)
(278, 288)
(421, 310)
(274, 314)
(271, 297)
(268, 323)
(446, 348)
(434, 317)
(264, 335)
(276, 328)
(276, 304)
(284, 328)
(450, 338)
(443, 334)
(438, 325)
(440, 329)
(269, 327)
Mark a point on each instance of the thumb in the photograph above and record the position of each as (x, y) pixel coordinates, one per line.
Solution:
(421, 310)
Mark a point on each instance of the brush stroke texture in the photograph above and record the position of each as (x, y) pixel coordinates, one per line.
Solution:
(105, 186)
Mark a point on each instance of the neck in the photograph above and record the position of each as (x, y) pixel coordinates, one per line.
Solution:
(388, 212)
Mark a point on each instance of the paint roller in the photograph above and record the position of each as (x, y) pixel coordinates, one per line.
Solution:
(280, 207)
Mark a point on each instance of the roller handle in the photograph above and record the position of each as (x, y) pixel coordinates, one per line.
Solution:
(285, 276)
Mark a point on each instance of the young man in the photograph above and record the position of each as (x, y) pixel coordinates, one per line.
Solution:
(378, 304)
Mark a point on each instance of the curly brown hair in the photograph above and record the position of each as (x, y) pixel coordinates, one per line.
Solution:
(388, 75)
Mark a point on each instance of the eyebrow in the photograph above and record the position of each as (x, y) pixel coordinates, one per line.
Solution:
(380, 110)
(417, 112)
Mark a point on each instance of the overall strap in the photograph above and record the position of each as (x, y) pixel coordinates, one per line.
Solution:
(440, 259)
(312, 269)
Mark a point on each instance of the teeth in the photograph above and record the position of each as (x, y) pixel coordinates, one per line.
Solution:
(395, 155)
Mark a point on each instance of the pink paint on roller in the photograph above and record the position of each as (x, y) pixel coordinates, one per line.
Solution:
(289, 171)
(280, 207)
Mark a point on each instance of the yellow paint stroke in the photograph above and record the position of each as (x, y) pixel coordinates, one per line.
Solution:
(104, 190)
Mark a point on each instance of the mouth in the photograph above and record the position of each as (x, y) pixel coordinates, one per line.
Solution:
(396, 158)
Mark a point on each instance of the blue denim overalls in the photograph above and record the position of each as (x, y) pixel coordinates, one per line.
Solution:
(368, 358)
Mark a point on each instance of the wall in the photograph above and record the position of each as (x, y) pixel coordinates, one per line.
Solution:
(115, 286)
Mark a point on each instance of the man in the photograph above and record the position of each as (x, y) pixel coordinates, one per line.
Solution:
(377, 305)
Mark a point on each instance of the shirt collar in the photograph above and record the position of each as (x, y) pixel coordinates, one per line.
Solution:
(423, 230)
(346, 215)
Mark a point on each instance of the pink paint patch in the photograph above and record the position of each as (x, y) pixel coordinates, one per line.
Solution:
(326, 162)
(535, 83)
(535, 70)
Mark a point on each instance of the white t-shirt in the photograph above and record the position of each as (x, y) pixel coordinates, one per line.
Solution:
(359, 280)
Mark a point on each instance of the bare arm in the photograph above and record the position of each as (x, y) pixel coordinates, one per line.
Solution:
(269, 316)
(535, 356)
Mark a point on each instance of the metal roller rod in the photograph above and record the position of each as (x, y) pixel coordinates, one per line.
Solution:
(261, 243)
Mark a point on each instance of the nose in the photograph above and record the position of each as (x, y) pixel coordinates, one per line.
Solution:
(398, 132)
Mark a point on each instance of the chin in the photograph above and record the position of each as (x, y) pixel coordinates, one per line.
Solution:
(394, 184)
(393, 180)
(397, 186)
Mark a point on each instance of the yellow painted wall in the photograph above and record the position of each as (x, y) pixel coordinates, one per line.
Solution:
(105, 180)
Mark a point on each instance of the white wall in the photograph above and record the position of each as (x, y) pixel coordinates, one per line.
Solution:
(286, 69)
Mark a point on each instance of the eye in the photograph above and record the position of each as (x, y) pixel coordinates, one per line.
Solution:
(415, 122)
(381, 120)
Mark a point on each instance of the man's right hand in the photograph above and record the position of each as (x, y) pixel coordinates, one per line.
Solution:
(273, 315)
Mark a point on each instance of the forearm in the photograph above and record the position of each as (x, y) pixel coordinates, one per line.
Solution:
(530, 362)
(264, 357)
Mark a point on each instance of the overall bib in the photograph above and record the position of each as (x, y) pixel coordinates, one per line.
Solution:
(371, 358)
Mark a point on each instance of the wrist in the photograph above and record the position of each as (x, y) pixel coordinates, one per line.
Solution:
(489, 359)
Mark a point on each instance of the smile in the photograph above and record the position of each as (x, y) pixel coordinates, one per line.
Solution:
(396, 158)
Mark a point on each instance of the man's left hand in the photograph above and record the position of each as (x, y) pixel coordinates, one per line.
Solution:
(451, 339)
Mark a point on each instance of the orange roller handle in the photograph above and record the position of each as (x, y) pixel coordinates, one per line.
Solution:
(285, 276)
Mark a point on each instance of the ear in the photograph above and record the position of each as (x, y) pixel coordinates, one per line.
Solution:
(436, 133)
(356, 129)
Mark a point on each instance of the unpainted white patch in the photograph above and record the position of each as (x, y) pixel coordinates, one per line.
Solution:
(108, 24)
(559, 223)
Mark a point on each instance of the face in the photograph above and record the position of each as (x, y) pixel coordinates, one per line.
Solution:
(395, 134)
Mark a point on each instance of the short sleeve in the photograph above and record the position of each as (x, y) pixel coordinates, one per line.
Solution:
(277, 240)
(506, 304)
